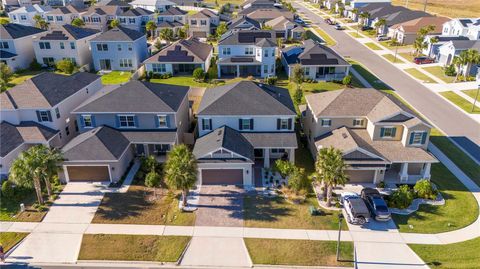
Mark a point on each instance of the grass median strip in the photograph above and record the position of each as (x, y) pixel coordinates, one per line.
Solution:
(298, 252)
(438, 72)
(119, 247)
(461, 102)
(419, 75)
(391, 58)
(9, 240)
(373, 46)
(475, 93)
(326, 37)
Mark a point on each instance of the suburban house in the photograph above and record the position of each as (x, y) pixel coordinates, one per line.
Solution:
(63, 15)
(64, 42)
(286, 28)
(173, 18)
(136, 18)
(24, 15)
(124, 5)
(379, 140)
(119, 48)
(368, 8)
(406, 32)
(38, 111)
(188, 3)
(453, 48)
(180, 57)
(16, 46)
(257, 3)
(153, 5)
(241, 126)
(203, 23)
(263, 15)
(393, 15)
(361, 3)
(57, 3)
(247, 53)
(318, 61)
(243, 23)
(98, 17)
(469, 27)
(432, 49)
(115, 126)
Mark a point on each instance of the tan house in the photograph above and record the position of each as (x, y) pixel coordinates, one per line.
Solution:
(379, 140)
(406, 32)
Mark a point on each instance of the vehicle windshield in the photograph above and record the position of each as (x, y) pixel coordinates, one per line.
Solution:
(381, 208)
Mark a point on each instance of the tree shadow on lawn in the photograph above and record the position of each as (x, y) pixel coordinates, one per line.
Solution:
(262, 208)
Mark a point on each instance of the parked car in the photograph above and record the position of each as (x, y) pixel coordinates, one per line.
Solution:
(329, 21)
(375, 203)
(382, 37)
(366, 28)
(356, 210)
(300, 21)
(423, 60)
(339, 27)
(345, 195)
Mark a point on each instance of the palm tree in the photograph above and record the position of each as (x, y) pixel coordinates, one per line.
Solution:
(458, 62)
(166, 34)
(330, 169)
(151, 26)
(355, 12)
(181, 170)
(433, 40)
(364, 16)
(52, 159)
(78, 22)
(471, 57)
(114, 23)
(380, 23)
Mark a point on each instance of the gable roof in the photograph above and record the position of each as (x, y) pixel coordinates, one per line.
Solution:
(45, 90)
(412, 26)
(312, 53)
(113, 3)
(238, 22)
(249, 37)
(155, 97)
(31, 8)
(184, 51)
(465, 44)
(280, 22)
(119, 33)
(103, 10)
(135, 12)
(246, 98)
(14, 31)
(69, 9)
(152, 3)
(172, 11)
(12, 136)
(67, 32)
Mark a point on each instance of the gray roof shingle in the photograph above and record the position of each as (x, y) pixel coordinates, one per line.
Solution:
(190, 50)
(312, 53)
(68, 32)
(135, 12)
(248, 37)
(14, 31)
(12, 136)
(119, 33)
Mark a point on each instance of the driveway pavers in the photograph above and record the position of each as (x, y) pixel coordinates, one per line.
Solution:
(220, 205)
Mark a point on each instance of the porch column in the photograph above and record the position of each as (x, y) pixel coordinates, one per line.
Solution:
(291, 155)
(238, 71)
(219, 67)
(426, 171)
(145, 148)
(266, 158)
(404, 172)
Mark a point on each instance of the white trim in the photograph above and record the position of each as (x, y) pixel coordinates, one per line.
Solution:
(67, 175)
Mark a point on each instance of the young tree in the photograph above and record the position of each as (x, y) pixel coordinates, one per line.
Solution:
(181, 34)
(364, 18)
(166, 34)
(66, 66)
(5, 76)
(40, 22)
(420, 44)
(151, 26)
(198, 74)
(380, 23)
(298, 180)
(221, 29)
(78, 22)
(330, 169)
(458, 62)
(181, 170)
(433, 40)
(347, 80)
(114, 23)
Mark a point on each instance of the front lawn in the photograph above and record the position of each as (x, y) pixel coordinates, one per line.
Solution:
(460, 209)
(438, 72)
(355, 34)
(183, 81)
(419, 75)
(132, 247)
(472, 93)
(408, 56)
(388, 44)
(452, 256)
(137, 207)
(298, 252)
(373, 46)
(9, 240)
(116, 77)
(391, 58)
(461, 102)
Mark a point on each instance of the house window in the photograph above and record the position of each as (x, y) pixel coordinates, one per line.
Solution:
(123, 20)
(326, 122)
(273, 52)
(162, 121)
(265, 69)
(4, 45)
(193, 22)
(95, 19)
(43, 116)
(306, 71)
(67, 131)
(265, 53)
(57, 112)
(226, 51)
(126, 63)
(119, 47)
(203, 22)
(23, 17)
(358, 122)
(284, 124)
(50, 61)
(44, 45)
(49, 18)
(248, 51)
(87, 121)
(127, 120)
(331, 70)
(72, 45)
(418, 138)
(277, 150)
(59, 18)
(102, 47)
(62, 45)
(272, 67)
(129, 47)
(388, 131)
(131, 20)
(206, 124)
(246, 124)
(159, 68)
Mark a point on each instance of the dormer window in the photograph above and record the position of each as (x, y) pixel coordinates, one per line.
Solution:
(358, 123)
(388, 132)
(326, 122)
(417, 138)
(162, 121)
(226, 51)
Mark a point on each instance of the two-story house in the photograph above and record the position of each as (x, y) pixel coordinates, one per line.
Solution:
(286, 28)
(63, 15)
(462, 27)
(203, 23)
(40, 110)
(136, 18)
(119, 48)
(57, 3)
(451, 49)
(243, 23)
(16, 46)
(263, 15)
(379, 140)
(406, 32)
(173, 18)
(241, 126)
(98, 17)
(115, 126)
(318, 61)
(64, 42)
(180, 57)
(247, 53)
(153, 5)
(25, 14)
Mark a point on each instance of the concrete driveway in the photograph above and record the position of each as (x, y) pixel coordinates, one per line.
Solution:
(220, 205)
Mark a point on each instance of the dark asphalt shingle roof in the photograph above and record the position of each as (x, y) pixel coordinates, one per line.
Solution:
(68, 32)
(6, 54)
(312, 53)
(119, 33)
(190, 51)
(246, 98)
(12, 136)
(14, 31)
(249, 37)
(137, 96)
(466, 44)
(142, 136)
(136, 12)
(271, 139)
(238, 23)
(172, 11)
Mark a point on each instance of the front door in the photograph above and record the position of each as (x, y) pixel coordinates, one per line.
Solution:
(105, 64)
(258, 153)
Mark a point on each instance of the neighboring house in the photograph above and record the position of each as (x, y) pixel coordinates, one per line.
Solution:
(63, 15)
(16, 46)
(241, 126)
(119, 48)
(153, 5)
(406, 32)
(393, 15)
(247, 53)
(318, 61)
(58, 3)
(180, 57)
(453, 48)
(361, 3)
(188, 3)
(98, 17)
(266, 14)
(16, 138)
(65, 42)
(368, 8)
(24, 15)
(48, 99)
(286, 28)
(115, 126)
(173, 18)
(243, 23)
(124, 5)
(469, 27)
(203, 23)
(136, 18)
(432, 49)
(379, 140)
(258, 4)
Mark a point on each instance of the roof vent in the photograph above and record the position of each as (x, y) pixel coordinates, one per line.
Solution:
(344, 135)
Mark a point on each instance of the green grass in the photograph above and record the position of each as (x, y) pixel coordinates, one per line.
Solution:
(369, 77)
(439, 73)
(419, 75)
(189, 81)
(389, 45)
(472, 93)
(373, 46)
(461, 255)
(116, 77)
(391, 58)
(20, 77)
(326, 37)
(355, 34)
(132, 247)
(460, 209)
(223, 2)
(408, 56)
(298, 252)
(461, 102)
(9, 240)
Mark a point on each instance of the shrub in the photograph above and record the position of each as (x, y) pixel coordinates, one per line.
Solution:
(198, 74)
(450, 71)
(35, 66)
(298, 180)
(285, 168)
(152, 179)
(347, 80)
(271, 80)
(425, 190)
(8, 189)
(401, 198)
(298, 95)
(149, 75)
(65, 66)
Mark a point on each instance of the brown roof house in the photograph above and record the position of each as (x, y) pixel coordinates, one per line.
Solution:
(380, 140)
(286, 28)
(406, 32)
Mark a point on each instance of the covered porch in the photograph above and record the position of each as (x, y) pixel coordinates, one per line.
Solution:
(266, 157)
(184, 69)
(156, 144)
(158, 150)
(329, 73)
(239, 67)
(407, 173)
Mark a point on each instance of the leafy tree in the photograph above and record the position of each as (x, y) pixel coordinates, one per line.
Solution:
(221, 29)
(149, 164)
(5, 76)
(330, 169)
(181, 170)
(198, 74)
(8, 190)
(298, 75)
(66, 66)
(347, 80)
(152, 180)
(78, 22)
(472, 56)
(284, 167)
(181, 34)
(424, 189)
(364, 16)
(298, 180)
(401, 198)
(40, 22)
(433, 40)
(114, 23)
(151, 26)
(266, 27)
(166, 34)
(420, 44)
